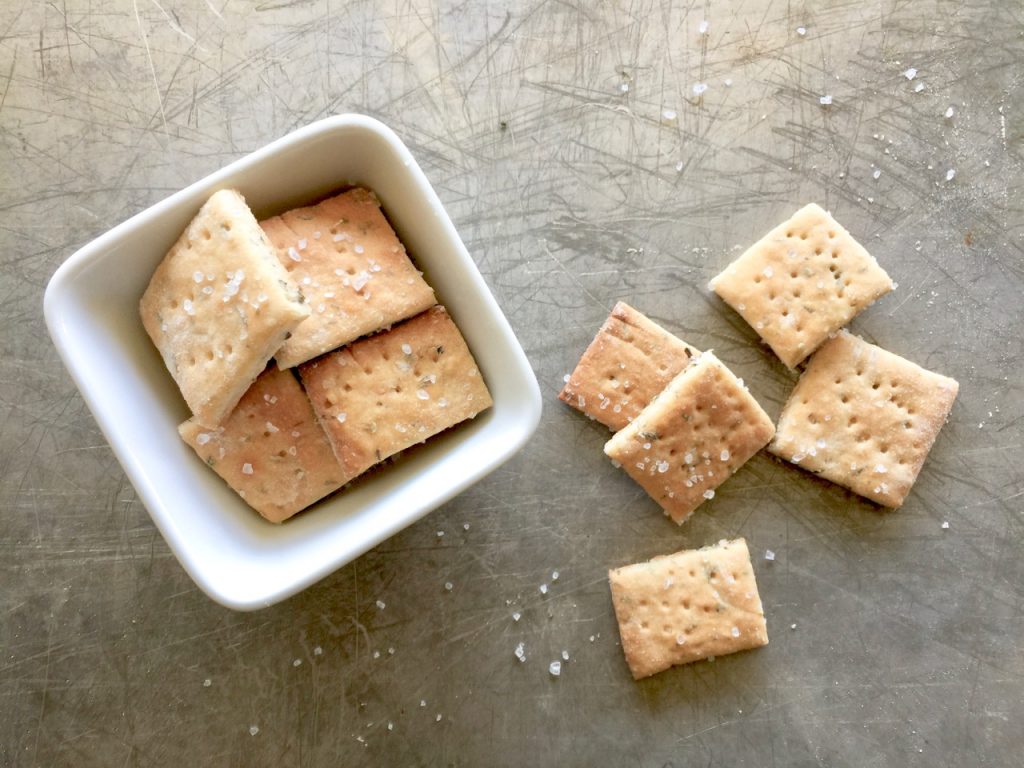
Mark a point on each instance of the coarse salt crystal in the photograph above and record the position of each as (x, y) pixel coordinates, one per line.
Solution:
(359, 281)
(945, 524)
(197, 276)
(516, 615)
(950, 112)
(422, 394)
(910, 74)
(188, 307)
(699, 88)
(203, 438)
(724, 455)
(339, 237)
(543, 589)
(293, 254)
(438, 718)
(448, 586)
(297, 663)
(341, 417)
(555, 668)
(769, 555)
(253, 730)
(381, 604)
(406, 349)
(247, 468)
(735, 631)
(624, 87)
(269, 426)
(950, 174)
(801, 31)
(880, 469)
(703, 27)
(303, 243)
(919, 87)
(669, 114)
(207, 683)
(876, 173)
(555, 575)
(662, 467)
(318, 651)
(825, 100)
(680, 639)
(358, 249)
(709, 494)
(521, 652)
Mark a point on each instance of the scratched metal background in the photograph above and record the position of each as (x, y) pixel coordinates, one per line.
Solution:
(542, 126)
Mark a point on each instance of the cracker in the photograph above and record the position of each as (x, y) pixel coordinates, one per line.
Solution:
(688, 606)
(271, 450)
(391, 391)
(864, 418)
(631, 359)
(692, 437)
(802, 282)
(219, 306)
(351, 267)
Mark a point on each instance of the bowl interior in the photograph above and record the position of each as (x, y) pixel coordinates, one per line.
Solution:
(236, 557)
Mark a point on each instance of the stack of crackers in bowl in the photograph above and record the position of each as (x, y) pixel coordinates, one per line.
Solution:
(859, 416)
(363, 363)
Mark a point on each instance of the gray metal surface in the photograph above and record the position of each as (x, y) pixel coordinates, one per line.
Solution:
(543, 126)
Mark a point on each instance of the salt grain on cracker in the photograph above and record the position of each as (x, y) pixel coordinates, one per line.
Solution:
(377, 384)
(675, 447)
(201, 308)
(864, 418)
(276, 473)
(688, 606)
(359, 279)
(630, 360)
(801, 282)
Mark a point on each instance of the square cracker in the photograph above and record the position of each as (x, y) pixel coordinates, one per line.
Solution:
(864, 418)
(219, 306)
(391, 391)
(687, 606)
(271, 450)
(692, 437)
(351, 267)
(802, 282)
(631, 359)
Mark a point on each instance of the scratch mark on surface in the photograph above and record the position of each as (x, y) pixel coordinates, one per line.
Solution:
(152, 67)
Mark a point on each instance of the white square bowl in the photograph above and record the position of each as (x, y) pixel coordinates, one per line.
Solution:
(236, 557)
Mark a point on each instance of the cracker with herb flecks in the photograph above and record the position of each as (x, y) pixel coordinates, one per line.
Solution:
(631, 359)
(692, 437)
(271, 450)
(388, 392)
(688, 606)
(350, 265)
(864, 418)
(219, 306)
(801, 282)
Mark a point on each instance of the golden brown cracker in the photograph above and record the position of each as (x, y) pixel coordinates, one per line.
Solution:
(354, 272)
(864, 418)
(692, 437)
(631, 359)
(393, 390)
(271, 450)
(801, 282)
(219, 306)
(687, 606)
